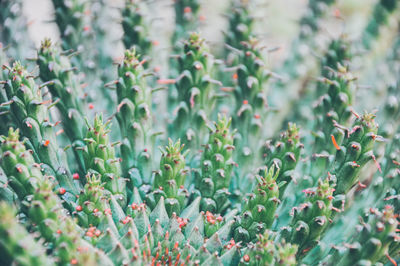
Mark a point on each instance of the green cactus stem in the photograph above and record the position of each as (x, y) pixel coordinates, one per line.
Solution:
(311, 218)
(284, 154)
(44, 207)
(213, 181)
(258, 211)
(170, 179)
(30, 112)
(56, 69)
(135, 119)
(17, 246)
(100, 159)
(268, 252)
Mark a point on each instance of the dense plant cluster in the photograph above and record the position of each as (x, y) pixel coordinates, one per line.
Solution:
(242, 164)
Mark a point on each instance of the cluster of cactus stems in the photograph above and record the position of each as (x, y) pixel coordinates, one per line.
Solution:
(75, 190)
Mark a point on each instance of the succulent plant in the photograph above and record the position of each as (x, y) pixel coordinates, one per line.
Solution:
(169, 180)
(194, 95)
(214, 179)
(15, 240)
(258, 212)
(72, 21)
(267, 252)
(256, 168)
(57, 73)
(30, 113)
(134, 116)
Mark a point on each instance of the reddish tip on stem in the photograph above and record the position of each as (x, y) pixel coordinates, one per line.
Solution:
(335, 143)
(246, 258)
(75, 176)
(46, 143)
(61, 191)
(79, 208)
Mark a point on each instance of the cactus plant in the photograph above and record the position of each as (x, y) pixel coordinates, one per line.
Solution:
(230, 192)
(194, 95)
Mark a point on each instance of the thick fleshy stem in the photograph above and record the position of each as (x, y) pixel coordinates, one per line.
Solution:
(213, 181)
(311, 218)
(57, 72)
(30, 112)
(258, 211)
(354, 152)
(284, 154)
(135, 120)
(241, 24)
(44, 208)
(100, 159)
(169, 180)
(332, 111)
(186, 18)
(267, 252)
(336, 56)
(194, 95)
(72, 20)
(251, 107)
(17, 246)
(375, 240)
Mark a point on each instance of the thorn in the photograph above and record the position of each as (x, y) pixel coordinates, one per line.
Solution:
(166, 81)
(335, 143)
(377, 163)
(391, 259)
(361, 185)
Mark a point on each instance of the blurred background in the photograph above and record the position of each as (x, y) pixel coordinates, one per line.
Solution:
(277, 20)
(276, 26)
